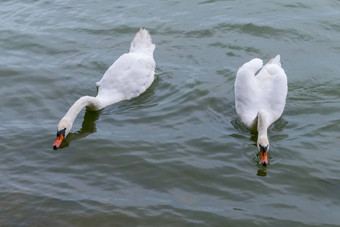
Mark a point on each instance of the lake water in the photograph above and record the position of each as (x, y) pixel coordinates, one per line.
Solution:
(177, 155)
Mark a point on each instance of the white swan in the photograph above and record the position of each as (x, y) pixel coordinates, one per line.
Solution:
(260, 99)
(129, 76)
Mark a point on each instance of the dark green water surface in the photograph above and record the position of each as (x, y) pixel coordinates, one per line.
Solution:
(177, 155)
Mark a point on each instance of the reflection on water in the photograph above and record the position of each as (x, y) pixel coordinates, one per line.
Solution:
(87, 127)
(262, 172)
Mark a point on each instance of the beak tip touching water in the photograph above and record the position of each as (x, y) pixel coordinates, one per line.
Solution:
(264, 161)
(57, 142)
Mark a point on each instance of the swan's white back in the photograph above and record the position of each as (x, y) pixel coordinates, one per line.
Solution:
(131, 74)
(265, 91)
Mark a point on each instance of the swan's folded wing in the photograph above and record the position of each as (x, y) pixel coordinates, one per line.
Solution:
(278, 93)
(142, 74)
(246, 92)
(128, 77)
(252, 66)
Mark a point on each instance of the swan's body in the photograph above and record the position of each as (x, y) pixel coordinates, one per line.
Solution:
(260, 99)
(129, 76)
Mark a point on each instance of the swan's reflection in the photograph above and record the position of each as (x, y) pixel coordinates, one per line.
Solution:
(87, 127)
(262, 172)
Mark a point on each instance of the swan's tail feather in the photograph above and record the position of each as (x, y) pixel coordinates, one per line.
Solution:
(275, 60)
(142, 42)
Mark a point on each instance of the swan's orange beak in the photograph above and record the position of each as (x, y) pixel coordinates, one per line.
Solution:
(264, 153)
(58, 141)
(264, 158)
(60, 137)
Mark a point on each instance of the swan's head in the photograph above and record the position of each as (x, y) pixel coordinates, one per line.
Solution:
(64, 127)
(263, 147)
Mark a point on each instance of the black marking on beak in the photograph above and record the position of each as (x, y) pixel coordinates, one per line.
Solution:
(61, 132)
(264, 148)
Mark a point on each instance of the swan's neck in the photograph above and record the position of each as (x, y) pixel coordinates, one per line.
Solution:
(262, 124)
(85, 101)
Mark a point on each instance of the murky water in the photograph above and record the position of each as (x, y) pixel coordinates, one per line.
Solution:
(177, 155)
